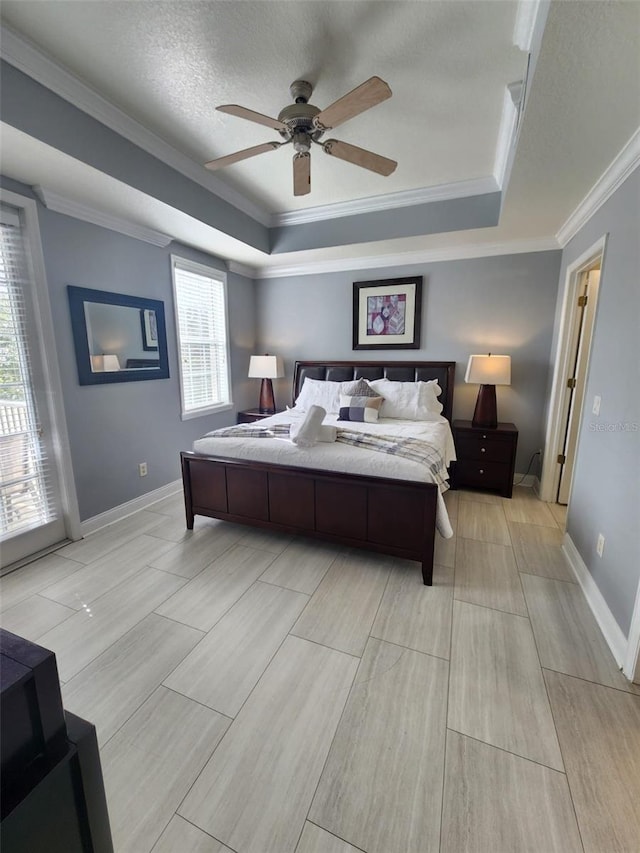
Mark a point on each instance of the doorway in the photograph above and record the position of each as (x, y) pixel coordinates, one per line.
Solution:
(37, 498)
(588, 284)
(567, 401)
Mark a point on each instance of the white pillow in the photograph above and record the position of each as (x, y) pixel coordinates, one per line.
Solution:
(319, 392)
(429, 393)
(415, 401)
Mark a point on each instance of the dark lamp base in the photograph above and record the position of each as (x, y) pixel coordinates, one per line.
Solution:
(267, 404)
(485, 415)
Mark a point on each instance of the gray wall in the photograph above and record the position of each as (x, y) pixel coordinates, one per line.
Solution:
(503, 304)
(113, 427)
(605, 497)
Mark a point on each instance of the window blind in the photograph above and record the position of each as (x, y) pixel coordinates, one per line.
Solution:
(26, 499)
(202, 334)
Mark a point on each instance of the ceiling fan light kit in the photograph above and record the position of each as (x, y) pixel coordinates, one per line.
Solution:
(304, 124)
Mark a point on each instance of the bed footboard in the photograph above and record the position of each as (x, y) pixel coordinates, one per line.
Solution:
(395, 517)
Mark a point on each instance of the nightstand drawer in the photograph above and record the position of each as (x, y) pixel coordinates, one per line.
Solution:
(478, 447)
(490, 476)
(486, 457)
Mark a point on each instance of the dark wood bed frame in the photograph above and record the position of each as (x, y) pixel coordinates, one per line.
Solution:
(396, 517)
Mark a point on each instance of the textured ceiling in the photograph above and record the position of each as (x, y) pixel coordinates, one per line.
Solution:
(168, 64)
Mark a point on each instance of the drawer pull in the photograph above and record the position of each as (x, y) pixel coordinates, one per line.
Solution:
(484, 436)
(482, 450)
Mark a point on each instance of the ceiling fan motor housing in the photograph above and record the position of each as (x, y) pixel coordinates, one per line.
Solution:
(299, 116)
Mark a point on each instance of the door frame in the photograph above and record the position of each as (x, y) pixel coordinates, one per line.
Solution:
(50, 368)
(558, 403)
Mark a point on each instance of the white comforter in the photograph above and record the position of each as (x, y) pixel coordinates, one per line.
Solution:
(341, 457)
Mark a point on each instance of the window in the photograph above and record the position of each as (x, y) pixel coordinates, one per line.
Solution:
(200, 297)
(30, 509)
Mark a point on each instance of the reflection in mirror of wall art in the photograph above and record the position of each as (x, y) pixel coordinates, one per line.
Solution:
(149, 329)
(117, 338)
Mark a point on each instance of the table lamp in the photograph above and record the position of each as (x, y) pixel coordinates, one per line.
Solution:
(489, 371)
(266, 367)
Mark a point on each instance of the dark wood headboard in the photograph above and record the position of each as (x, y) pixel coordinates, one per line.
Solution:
(397, 371)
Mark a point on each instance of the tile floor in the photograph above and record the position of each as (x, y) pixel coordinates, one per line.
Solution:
(261, 694)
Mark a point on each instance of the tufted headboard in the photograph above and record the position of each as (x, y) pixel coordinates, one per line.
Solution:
(398, 371)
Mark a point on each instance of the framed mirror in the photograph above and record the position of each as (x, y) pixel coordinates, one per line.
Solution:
(117, 338)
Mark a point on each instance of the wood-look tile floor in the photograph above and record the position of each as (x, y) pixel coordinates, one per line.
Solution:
(259, 693)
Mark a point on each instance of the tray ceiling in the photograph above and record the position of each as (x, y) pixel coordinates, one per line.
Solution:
(167, 65)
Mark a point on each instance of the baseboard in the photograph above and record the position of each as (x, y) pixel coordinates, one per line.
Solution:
(96, 522)
(611, 631)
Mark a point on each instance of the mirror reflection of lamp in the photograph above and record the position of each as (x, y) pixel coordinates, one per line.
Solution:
(489, 371)
(266, 367)
(104, 363)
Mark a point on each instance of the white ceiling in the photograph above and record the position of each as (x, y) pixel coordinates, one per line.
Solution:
(168, 64)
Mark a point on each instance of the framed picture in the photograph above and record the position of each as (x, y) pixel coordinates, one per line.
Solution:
(386, 314)
(149, 329)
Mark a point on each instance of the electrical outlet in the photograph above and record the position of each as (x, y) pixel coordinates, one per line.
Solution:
(596, 405)
(600, 545)
(142, 469)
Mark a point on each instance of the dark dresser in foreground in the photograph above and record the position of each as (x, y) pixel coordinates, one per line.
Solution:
(486, 457)
(52, 794)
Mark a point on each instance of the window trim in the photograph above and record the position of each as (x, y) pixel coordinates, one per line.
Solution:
(219, 275)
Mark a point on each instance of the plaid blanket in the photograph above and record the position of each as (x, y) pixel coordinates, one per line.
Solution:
(409, 448)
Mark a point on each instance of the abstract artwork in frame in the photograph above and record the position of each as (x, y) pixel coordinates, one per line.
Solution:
(386, 314)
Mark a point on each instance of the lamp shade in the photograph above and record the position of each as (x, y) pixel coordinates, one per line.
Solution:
(489, 369)
(104, 363)
(265, 367)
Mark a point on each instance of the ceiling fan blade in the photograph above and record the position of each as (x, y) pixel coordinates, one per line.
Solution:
(362, 98)
(242, 155)
(359, 157)
(302, 174)
(250, 115)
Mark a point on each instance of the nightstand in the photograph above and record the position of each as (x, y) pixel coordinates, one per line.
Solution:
(486, 457)
(249, 416)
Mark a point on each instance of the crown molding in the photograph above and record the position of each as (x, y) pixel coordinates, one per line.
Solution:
(526, 17)
(506, 137)
(390, 201)
(451, 253)
(61, 204)
(613, 177)
(242, 269)
(26, 57)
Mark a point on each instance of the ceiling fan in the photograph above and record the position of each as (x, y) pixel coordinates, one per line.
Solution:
(303, 124)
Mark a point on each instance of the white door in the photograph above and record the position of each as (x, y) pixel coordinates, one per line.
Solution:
(577, 380)
(32, 515)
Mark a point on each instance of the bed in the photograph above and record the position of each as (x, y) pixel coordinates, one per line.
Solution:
(391, 514)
